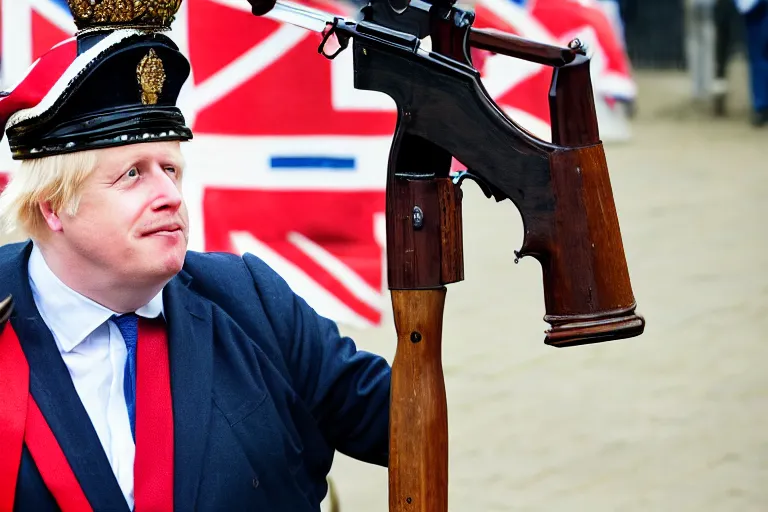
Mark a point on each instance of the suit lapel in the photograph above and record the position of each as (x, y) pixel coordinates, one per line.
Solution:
(190, 335)
(54, 392)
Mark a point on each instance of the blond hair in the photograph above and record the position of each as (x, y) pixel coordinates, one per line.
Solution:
(57, 179)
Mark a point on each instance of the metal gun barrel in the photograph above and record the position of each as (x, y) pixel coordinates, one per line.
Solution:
(492, 40)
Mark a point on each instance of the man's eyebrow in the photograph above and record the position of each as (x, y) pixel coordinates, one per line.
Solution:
(164, 159)
(176, 160)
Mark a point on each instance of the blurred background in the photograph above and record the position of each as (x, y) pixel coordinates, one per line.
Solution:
(289, 163)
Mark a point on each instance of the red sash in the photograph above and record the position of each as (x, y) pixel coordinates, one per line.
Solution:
(21, 422)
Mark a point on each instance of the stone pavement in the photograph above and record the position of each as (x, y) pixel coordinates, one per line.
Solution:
(673, 421)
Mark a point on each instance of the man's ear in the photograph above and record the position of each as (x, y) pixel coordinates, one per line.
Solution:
(50, 216)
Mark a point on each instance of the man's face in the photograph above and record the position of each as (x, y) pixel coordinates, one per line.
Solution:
(131, 223)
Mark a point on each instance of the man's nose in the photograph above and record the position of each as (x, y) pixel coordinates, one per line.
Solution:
(167, 190)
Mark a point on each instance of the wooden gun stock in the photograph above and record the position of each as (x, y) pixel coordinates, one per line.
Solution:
(561, 188)
(587, 288)
(587, 291)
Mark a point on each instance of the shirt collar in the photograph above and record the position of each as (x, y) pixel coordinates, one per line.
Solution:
(70, 315)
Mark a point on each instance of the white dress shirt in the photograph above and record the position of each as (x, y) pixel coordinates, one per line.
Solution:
(94, 352)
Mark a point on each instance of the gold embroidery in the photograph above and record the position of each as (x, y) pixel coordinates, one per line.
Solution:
(148, 14)
(151, 76)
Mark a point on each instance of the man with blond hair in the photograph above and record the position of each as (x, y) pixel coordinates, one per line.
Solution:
(135, 374)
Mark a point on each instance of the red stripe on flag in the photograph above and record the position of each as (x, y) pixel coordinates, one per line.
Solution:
(335, 287)
(205, 18)
(45, 35)
(341, 222)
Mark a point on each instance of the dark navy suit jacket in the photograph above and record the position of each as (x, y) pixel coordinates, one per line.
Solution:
(264, 391)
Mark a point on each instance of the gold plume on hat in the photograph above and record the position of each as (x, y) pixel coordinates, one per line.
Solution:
(143, 14)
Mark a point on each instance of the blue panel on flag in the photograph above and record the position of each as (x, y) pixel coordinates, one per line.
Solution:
(312, 162)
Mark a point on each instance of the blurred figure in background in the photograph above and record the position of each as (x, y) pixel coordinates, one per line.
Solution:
(755, 13)
(725, 16)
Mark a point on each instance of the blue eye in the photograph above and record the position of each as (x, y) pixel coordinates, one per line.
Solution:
(134, 172)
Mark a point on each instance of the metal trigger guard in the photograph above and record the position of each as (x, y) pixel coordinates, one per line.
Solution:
(342, 38)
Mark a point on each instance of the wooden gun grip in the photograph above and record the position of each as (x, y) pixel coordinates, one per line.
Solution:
(418, 444)
(587, 289)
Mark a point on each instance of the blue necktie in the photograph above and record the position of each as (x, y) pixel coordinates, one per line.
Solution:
(129, 328)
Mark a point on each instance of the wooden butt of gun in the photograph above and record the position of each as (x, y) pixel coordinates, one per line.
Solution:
(587, 287)
(575, 330)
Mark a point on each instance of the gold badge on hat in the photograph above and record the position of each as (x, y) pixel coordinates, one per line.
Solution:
(151, 76)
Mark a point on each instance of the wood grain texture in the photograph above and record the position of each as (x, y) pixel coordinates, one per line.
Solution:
(418, 444)
(587, 290)
(511, 45)
(451, 232)
(413, 255)
(431, 254)
(572, 105)
(424, 252)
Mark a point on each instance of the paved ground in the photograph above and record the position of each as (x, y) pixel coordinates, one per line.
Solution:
(672, 421)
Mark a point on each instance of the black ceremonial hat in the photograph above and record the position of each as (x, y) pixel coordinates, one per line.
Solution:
(115, 83)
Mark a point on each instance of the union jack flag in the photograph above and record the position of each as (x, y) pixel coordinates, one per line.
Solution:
(289, 160)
